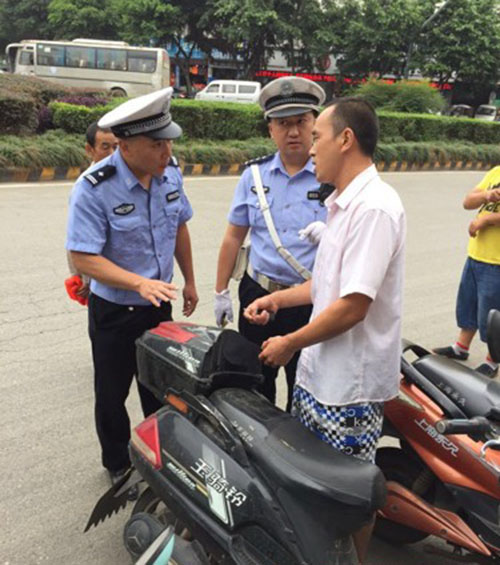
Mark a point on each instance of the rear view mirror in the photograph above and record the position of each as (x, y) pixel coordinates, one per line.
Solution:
(493, 335)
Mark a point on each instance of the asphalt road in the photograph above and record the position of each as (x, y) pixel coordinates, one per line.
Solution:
(50, 464)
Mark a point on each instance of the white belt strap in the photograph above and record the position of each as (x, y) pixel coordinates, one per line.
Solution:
(266, 212)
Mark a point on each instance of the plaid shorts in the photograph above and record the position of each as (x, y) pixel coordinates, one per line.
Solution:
(353, 429)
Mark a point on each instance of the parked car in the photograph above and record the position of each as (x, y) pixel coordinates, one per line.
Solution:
(486, 112)
(230, 91)
(462, 110)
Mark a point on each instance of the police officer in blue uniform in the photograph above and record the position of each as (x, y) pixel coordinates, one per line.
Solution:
(127, 221)
(290, 105)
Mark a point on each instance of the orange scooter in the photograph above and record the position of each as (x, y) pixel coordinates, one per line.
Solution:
(444, 478)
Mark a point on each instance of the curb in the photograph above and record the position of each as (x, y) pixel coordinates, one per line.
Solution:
(18, 174)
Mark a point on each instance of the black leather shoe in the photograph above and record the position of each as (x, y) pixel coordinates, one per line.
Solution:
(450, 353)
(116, 476)
(487, 370)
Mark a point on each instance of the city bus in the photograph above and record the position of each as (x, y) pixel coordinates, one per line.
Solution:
(114, 66)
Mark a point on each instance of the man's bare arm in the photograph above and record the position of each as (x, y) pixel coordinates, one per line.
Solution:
(233, 239)
(184, 257)
(183, 254)
(336, 319)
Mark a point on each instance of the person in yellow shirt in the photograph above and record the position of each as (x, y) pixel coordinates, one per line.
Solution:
(479, 290)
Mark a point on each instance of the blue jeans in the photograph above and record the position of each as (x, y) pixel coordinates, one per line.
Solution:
(478, 293)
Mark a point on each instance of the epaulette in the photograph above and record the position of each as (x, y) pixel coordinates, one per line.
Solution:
(173, 162)
(324, 191)
(99, 175)
(259, 160)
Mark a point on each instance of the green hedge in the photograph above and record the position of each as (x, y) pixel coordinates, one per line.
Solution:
(53, 149)
(222, 121)
(18, 113)
(427, 127)
(219, 120)
(199, 120)
(74, 119)
(22, 98)
(58, 149)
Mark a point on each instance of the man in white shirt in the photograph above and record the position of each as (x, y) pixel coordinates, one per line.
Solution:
(350, 358)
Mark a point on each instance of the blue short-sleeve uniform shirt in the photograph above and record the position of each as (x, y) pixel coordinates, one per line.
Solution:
(294, 203)
(132, 227)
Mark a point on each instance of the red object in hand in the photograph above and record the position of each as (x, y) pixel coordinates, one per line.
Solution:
(73, 284)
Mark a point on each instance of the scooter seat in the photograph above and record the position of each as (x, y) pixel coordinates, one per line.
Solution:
(473, 393)
(298, 465)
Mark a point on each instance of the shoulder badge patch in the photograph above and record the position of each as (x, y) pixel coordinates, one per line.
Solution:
(124, 209)
(259, 160)
(171, 196)
(102, 174)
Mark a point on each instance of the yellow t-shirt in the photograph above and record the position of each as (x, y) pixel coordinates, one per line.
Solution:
(485, 246)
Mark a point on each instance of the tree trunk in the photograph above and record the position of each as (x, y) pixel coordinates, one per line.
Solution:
(184, 61)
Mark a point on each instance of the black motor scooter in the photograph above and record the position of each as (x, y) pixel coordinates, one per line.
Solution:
(240, 481)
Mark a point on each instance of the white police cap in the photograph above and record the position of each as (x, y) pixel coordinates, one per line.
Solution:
(290, 96)
(147, 115)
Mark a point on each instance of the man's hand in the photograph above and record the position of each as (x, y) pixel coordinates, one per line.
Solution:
(260, 310)
(157, 291)
(313, 232)
(190, 299)
(277, 351)
(84, 290)
(223, 307)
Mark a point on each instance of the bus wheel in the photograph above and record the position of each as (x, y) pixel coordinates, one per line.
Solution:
(118, 93)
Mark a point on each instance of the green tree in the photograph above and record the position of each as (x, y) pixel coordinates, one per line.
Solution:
(463, 43)
(23, 19)
(69, 19)
(249, 28)
(372, 36)
(298, 32)
(184, 23)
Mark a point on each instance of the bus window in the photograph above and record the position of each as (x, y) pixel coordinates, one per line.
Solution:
(83, 57)
(26, 57)
(50, 55)
(112, 59)
(141, 61)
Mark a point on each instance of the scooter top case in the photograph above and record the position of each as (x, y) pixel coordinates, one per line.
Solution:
(199, 359)
(256, 487)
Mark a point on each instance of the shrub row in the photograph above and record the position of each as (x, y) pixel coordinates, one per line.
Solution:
(57, 149)
(24, 98)
(402, 96)
(199, 120)
(427, 127)
(222, 121)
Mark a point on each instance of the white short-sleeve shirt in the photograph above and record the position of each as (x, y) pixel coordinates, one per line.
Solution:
(361, 251)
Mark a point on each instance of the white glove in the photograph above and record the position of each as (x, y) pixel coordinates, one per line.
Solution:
(313, 232)
(223, 308)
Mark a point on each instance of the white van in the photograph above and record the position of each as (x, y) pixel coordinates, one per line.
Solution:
(486, 113)
(245, 91)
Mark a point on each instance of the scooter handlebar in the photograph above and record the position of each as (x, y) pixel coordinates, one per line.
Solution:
(479, 424)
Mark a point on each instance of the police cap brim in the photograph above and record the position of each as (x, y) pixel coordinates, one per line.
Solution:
(172, 131)
(291, 111)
